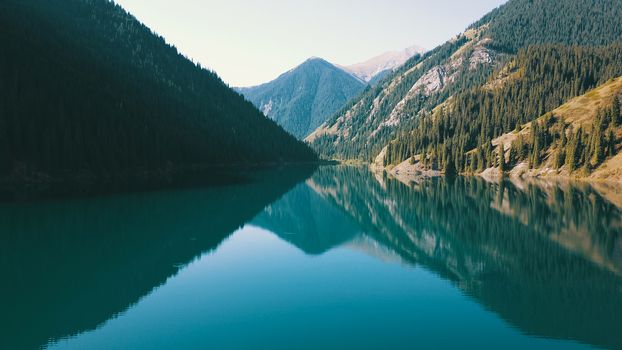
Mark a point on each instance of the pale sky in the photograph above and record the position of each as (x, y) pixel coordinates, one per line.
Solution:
(248, 42)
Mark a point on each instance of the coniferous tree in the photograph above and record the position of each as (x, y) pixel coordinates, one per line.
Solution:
(616, 112)
(481, 159)
(450, 169)
(598, 148)
(488, 156)
(473, 161)
(611, 143)
(501, 156)
(558, 161)
(513, 155)
(534, 157)
(574, 150)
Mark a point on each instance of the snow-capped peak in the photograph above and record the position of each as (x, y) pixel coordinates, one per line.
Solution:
(386, 61)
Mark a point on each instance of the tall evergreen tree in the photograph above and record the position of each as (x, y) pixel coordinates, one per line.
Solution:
(616, 112)
(611, 143)
(501, 156)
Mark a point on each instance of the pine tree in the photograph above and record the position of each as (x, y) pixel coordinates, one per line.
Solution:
(433, 160)
(571, 157)
(488, 157)
(559, 158)
(449, 168)
(611, 143)
(598, 149)
(593, 153)
(520, 148)
(481, 161)
(474, 165)
(573, 150)
(502, 164)
(617, 114)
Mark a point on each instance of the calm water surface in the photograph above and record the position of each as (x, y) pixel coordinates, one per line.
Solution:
(342, 259)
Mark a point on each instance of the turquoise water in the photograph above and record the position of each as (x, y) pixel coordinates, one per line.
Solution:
(343, 259)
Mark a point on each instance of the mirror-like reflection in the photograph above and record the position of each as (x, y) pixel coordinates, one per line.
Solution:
(544, 258)
(68, 266)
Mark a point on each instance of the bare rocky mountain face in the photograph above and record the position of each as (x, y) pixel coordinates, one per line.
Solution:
(428, 77)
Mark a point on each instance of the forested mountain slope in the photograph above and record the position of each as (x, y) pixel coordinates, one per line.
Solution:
(85, 87)
(303, 98)
(580, 138)
(471, 61)
(537, 81)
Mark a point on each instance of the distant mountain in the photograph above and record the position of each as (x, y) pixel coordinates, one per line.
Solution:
(87, 89)
(303, 98)
(521, 60)
(382, 64)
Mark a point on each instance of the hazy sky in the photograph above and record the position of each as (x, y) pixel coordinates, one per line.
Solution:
(248, 42)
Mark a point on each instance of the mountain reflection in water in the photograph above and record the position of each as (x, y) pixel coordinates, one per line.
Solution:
(544, 257)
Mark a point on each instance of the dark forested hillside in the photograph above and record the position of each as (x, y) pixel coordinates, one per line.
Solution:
(464, 69)
(303, 98)
(520, 23)
(85, 87)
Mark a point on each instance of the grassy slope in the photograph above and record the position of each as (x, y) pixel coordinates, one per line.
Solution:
(580, 112)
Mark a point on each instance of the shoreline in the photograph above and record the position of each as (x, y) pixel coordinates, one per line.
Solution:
(491, 174)
(27, 185)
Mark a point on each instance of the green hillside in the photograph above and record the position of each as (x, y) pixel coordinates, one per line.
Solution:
(538, 80)
(580, 138)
